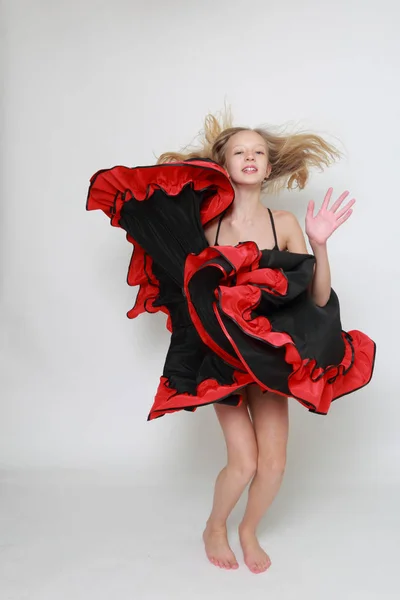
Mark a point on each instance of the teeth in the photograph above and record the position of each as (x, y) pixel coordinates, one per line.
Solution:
(252, 169)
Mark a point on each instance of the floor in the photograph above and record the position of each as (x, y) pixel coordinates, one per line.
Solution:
(77, 535)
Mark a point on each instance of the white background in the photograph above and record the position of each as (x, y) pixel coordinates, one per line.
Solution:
(90, 84)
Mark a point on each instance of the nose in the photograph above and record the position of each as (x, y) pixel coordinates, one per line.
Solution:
(250, 156)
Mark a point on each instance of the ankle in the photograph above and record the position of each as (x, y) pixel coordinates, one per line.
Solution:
(246, 530)
(213, 525)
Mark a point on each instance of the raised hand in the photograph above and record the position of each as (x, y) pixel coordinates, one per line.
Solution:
(327, 220)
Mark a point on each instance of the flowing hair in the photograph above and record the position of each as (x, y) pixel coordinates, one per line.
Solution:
(291, 156)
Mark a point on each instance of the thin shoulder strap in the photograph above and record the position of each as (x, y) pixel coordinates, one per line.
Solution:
(219, 225)
(273, 229)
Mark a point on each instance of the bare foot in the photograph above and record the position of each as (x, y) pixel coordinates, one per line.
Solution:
(217, 548)
(255, 558)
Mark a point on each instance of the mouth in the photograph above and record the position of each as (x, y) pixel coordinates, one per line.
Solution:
(250, 170)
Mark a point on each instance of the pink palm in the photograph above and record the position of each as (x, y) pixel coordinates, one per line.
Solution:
(327, 220)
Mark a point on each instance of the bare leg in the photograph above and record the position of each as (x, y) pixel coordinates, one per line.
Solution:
(270, 419)
(242, 463)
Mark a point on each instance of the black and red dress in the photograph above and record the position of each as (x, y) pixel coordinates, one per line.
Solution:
(237, 314)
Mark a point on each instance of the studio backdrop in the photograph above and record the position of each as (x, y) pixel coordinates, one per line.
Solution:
(93, 84)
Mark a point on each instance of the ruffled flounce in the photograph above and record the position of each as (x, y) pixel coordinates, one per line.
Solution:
(238, 315)
(110, 189)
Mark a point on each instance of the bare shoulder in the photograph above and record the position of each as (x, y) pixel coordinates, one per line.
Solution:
(290, 230)
(285, 221)
(284, 216)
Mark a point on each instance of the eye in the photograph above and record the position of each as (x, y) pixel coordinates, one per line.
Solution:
(260, 152)
(239, 152)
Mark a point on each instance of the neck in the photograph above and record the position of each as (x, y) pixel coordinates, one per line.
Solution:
(247, 203)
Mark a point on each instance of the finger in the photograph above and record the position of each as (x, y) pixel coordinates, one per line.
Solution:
(340, 200)
(344, 218)
(310, 208)
(345, 208)
(327, 198)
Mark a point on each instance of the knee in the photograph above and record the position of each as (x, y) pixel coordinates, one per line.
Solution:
(244, 468)
(272, 465)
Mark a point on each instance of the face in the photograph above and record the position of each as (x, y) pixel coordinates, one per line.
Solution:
(247, 158)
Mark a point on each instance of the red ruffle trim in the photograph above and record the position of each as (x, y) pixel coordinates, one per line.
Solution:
(243, 257)
(111, 188)
(209, 391)
(314, 387)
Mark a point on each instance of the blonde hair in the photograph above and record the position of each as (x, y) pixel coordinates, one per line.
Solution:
(291, 156)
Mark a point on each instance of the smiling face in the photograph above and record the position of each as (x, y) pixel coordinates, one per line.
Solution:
(246, 157)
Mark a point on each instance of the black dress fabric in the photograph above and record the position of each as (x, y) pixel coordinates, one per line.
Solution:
(237, 314)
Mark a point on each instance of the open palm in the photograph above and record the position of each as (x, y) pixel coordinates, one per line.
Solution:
(327, 220)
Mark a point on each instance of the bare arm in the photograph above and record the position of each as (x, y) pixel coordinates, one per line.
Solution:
(321, 284)
(319, 228)
(295, 242)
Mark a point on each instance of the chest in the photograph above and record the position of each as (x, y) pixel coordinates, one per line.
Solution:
(230, 233)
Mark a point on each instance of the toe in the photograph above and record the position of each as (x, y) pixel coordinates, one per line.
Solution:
(266, 565)
(253, 568)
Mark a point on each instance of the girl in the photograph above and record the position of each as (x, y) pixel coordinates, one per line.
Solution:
(250, 311)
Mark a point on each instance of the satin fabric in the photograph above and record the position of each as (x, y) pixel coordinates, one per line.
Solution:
(237, 314)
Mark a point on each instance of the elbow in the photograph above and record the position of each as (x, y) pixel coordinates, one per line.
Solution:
(321, 300)
(320, 304)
